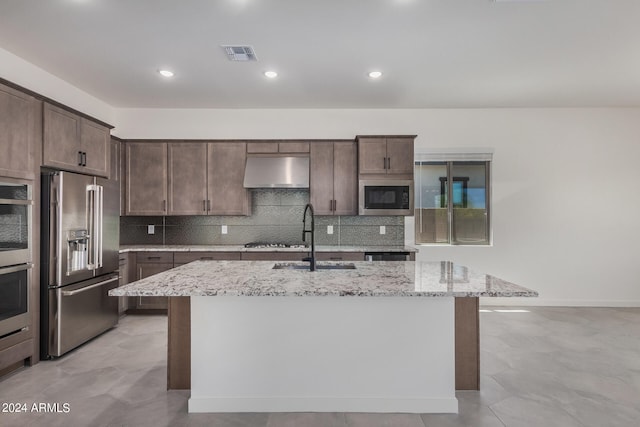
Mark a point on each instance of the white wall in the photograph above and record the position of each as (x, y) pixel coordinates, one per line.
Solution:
(27, 75)
(565, 200)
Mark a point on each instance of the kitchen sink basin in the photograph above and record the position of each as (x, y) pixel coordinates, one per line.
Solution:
(318, 267)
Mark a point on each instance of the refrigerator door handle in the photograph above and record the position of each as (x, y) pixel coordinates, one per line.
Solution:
(99, 223)
(93, 220)
(91, 227)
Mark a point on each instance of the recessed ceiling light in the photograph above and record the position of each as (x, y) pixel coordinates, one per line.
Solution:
(166, 73)
(375, 74)
(271, 74)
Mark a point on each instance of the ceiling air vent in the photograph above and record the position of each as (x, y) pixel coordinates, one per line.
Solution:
(240, 53)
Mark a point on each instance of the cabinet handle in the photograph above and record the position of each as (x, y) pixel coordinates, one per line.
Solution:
(330, 205)
(389, 163)
(384, 163)
(335, 205)
(204, 205)
(84, 158)
(153, 257)
(208, 205)
(79, 158)
(164, 205)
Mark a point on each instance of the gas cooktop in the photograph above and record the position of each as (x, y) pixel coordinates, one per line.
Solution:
(259, 245)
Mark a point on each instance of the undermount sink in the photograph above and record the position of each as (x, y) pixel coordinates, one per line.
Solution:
(318, 267)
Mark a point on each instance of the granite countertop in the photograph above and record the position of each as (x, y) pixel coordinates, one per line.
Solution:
(241, 248)
(381, 278)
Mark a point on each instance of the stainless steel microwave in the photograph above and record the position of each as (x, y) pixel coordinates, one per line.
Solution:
(385, 197)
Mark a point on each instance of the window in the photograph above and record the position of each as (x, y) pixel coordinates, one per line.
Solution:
(462, 218)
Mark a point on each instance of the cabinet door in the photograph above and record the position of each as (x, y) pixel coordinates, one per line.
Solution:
(94, 143)
(61, 139)
(114, 160)
(345, 178)
(262, 147)
(372, 153)
(146, 270)
(146, 177)
(123, 275)
(187, 185)
(115, 172)
(321, 177)
(18, 132)
(400, 154)
(226, 162)
(293, 147)
(122, 167)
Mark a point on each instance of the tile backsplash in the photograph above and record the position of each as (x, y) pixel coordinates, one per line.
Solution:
(276, 217)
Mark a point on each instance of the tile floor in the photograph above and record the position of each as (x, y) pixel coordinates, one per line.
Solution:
(542, 367)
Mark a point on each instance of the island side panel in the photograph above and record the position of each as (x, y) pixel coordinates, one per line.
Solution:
(179, 345)
(467, 327)
(322, 354)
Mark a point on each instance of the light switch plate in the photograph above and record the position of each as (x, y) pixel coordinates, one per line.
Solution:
(151, 229)
(383, 229)
(224, 229)
(329, 229)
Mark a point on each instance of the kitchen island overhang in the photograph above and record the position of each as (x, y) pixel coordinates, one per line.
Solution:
(379, 338)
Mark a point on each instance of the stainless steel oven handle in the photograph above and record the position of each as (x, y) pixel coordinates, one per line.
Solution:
(81, 290)
(15, 268)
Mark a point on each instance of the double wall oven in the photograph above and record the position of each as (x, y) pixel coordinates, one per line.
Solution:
(16, 205)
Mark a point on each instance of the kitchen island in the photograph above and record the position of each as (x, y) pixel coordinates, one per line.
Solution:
(382, 337)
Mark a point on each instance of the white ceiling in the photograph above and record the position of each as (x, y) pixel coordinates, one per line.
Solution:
(434, 53)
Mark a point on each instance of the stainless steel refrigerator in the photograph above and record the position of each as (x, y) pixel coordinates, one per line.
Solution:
(80, 240)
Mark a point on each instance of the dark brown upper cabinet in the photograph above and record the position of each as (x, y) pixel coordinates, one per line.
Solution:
(333, 178)
(187, 184)
(275, 147)
(19, 131)
(146, 178)
(385, 155)
(75, 143)
(186, 178)
(226, 194)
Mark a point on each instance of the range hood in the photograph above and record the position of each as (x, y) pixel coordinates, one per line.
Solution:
(276, 172)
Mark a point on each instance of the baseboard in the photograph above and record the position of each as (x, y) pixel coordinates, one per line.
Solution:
(324, 404)
(545, 302)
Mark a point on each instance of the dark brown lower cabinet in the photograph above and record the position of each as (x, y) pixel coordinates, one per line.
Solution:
(148, 264)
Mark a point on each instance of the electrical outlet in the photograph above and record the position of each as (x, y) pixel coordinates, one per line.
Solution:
(383, 229)
(151, 229)
(224, 229)
(329, 229)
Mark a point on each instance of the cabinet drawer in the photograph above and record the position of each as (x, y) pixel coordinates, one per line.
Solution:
(340, 256)
(154, 257)
(273, 256)
(187, 257)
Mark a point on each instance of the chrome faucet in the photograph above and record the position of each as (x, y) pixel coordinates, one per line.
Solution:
(312, 255)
